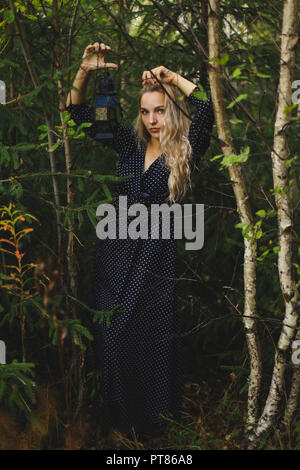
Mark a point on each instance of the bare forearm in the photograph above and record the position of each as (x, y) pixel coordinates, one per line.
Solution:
(183, 84)
(80, 82)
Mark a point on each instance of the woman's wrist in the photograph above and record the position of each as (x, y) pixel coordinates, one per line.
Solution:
(83, 72)
(175, 78)
(183, 84)
(80, 82)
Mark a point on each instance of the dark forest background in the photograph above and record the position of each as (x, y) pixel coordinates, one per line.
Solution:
(50, 391)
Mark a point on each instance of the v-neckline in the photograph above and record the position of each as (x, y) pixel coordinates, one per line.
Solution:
(143, 160)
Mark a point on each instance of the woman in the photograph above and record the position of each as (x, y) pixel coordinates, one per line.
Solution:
(139, 353)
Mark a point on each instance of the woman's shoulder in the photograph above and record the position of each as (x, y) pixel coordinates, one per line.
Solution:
(200, 98)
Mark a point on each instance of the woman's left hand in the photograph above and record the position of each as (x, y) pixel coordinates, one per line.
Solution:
(162, 73)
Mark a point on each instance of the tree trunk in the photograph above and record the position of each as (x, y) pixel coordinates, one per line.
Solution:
(289, 39)
(243, 208)
(71, 257)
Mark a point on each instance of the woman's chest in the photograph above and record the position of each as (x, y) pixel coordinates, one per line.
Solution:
(148, 170)
(150, 157)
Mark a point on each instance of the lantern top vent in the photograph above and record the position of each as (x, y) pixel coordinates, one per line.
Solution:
(106, 86)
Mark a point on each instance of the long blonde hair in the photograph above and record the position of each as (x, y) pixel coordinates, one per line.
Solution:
(176, 148)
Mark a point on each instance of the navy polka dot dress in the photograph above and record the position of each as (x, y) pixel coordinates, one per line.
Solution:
(139, 354)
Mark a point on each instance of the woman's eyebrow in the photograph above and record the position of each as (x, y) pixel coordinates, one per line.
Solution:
(156, 107)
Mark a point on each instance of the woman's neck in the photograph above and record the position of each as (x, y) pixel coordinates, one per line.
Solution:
(154, 145)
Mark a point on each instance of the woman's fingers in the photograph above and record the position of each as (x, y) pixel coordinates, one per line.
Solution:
(99, 50)
(97, 47)
(160, 73)
(101, 46)
(157, 72)
(147, 75)
(96, 53)
(149, 80)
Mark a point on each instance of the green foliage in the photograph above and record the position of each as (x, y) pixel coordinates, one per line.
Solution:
(249, 231)
(201, 94)
(17, 387)
(222, 61)
(232, 158)
(70, 328)
(95, 387)
(243, 96)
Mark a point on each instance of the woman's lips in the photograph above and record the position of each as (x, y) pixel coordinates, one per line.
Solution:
(154, 130)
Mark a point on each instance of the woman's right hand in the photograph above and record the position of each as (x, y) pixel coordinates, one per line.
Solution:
(93, 57)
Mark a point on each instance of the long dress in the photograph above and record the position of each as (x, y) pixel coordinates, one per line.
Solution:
(139, 353)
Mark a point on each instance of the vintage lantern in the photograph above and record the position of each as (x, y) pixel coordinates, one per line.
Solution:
(107, 110)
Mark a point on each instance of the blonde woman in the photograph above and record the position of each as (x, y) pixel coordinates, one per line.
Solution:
(139, 353)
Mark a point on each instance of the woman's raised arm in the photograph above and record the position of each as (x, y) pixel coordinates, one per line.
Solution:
(202, 123)
(167, 76)
(92, 59)
(80, 111)
(80, 83)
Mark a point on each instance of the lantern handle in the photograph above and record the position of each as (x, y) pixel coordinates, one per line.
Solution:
(106, 85)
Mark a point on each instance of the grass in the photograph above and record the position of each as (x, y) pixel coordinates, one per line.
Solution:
(213, 418)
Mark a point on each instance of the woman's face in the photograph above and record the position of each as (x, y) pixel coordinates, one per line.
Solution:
(152, 111)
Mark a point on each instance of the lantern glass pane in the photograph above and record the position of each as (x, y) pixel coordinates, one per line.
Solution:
(112, 114)
(101, 114)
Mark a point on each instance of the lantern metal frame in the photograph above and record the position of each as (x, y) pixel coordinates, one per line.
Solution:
(106, 110)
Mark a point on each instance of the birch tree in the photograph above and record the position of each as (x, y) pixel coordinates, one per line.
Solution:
(243, 207)
(290, 293)
(279, 157)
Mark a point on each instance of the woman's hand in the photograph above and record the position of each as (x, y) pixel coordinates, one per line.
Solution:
(162, 73)
(93, 57)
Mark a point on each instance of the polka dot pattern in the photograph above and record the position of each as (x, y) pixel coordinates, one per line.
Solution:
(139, 354)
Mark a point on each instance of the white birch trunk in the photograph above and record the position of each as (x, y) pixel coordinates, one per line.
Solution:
(244, 210)
(289, 40)
(293, 397)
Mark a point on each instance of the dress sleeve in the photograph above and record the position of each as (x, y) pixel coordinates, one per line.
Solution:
(122, 136)
(201, 125)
